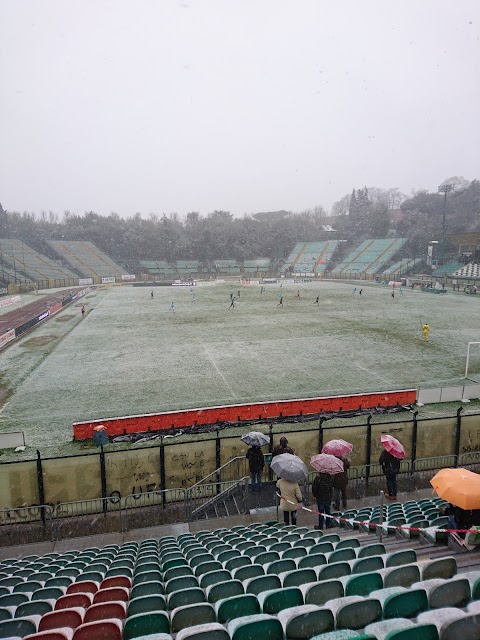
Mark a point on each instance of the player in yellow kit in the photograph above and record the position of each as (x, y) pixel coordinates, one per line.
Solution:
(426, 331)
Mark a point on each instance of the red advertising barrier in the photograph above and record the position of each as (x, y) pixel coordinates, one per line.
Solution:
(7, 337)
(238, 412)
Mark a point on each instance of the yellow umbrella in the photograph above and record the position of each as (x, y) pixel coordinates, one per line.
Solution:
(458, 486)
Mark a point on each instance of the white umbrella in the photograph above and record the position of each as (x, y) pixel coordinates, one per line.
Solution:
(255, 439)
(289, 467)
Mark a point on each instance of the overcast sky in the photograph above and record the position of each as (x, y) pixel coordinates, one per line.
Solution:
(242, 105)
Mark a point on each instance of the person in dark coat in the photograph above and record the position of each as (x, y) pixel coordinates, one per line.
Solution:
(281, 448)
(459, 518)
(256, 462)
(340, 482)
(390, 468)
(322, 489)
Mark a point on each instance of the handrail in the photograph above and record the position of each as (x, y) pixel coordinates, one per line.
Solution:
(216, 472)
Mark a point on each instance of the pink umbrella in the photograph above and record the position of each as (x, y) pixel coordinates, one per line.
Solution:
(392, 445)
(337, 447)
(325, 463)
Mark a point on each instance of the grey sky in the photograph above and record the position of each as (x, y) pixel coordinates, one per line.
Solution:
(243, 105)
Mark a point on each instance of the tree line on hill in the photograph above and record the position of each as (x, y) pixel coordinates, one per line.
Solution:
(364, 213)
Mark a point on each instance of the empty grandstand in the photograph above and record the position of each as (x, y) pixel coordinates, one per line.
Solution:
(401, 268)
(310, 257)
(371, 256)
(256, 268)
(18, 258)
(156, 267)
(86, 258)
(227, 267)
(188, 267)
(450, 267)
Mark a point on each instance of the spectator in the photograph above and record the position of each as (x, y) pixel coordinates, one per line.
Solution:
(390, 468)
(340, 483)
(290, 496)
(322, 488)
(256, 462)
(282, 448)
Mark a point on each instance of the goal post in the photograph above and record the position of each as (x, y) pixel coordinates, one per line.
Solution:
(468, 357)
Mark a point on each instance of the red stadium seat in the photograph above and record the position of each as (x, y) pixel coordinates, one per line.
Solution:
(56, 634)
(100, 630)
(106, 611)
(117, 581)
(113, 593)
(70, 618)
(87, 586)
(74, 600)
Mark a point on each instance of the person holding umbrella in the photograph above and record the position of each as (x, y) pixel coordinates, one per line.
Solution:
(339, 448)
(389, 459)
(290, 470)
(291, 495)
(322, 488)
(255, 458)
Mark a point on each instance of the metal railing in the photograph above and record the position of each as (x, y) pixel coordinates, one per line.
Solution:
(26, 524)
(105, 514)
(154, 508)
(214, 483)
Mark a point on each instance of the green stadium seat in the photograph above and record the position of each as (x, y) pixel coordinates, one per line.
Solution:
(381, 630)
(341, 634)
(438, 568)
(445, 593)
(275, 600)
(190, 615)
(207, 567)
(262, 583)
(154, 587)
(401, 602)
(7, 613)
(250, 571)
(144, 604)
(213, 577)
(303, 621)
(236, 607)
(402, 576)
(375, 549)
(297, 577)
(222, 590)
(17, 628)
(332, 571)
(319, 593)
(211, 631)
(185, 582)
(14, 600)
(236, 563)
(417, 632)
(312, 560)
(347, 543)
(362, 584)
(355, 612)
(144, 624)
(183, 597)
(255, 626)
(341, 555)
(397, 558)
(294, 553)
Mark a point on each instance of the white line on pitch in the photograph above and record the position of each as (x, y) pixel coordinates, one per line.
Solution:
(220, 373)
(4, 406)
(372, 373)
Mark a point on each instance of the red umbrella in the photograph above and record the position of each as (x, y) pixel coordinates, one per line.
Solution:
(392, 445)
(337, 447)
(325, 463)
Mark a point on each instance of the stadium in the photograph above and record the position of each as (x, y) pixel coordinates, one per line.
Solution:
(125, 397)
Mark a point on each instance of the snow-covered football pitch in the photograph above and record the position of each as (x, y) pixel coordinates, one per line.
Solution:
(132, 354)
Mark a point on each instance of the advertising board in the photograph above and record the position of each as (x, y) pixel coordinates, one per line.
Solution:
(128, 277)
(85, 281)
(6, 337)
(108, 279)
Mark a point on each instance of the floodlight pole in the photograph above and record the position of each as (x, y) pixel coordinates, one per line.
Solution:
(444, 188)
